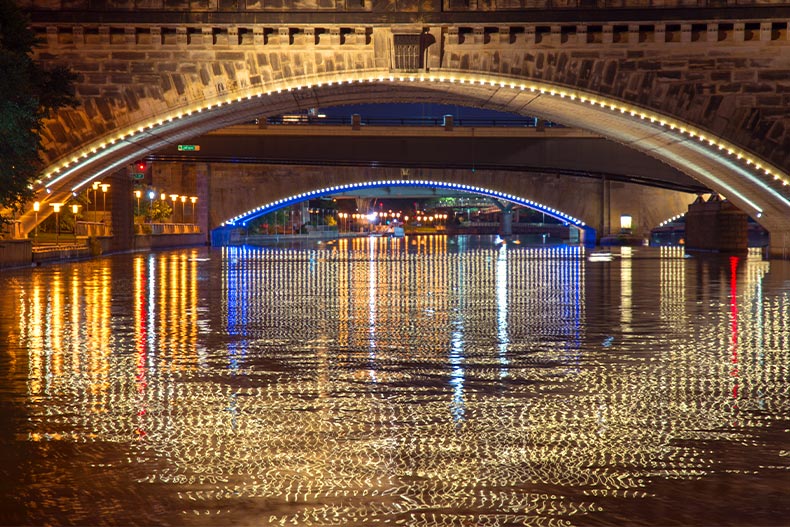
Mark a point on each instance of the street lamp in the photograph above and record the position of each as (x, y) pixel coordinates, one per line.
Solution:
(137, 194)
(75, 209)
(57, 206)
(95, 187)
(371, 217)
(174, 197)
(104, 188)
(151, 196)
(193, 199)
(36, 208)
(183, 200)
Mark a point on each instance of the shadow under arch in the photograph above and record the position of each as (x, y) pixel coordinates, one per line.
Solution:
(221, 235)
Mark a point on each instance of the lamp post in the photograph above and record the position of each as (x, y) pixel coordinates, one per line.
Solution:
(183, 201)
(174, 197)
(371, 217)
(138, 194)
(36, 208)
(151, 196)
(75, 209)
(95, 187)
(57, 206)
(104, 188)
(193, 199)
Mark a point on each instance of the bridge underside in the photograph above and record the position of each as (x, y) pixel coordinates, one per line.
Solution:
(551, 167)
(563, 151)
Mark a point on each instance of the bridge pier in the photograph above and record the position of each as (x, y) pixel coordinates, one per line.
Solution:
(779, 246)
(716, 226)
(191, 179)
(119, 201)
(506, 222)
(506, 219)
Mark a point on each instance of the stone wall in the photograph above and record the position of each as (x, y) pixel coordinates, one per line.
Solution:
(731, 79)
(716, 226)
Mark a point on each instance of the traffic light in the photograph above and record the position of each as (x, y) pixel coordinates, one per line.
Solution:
(141, 171)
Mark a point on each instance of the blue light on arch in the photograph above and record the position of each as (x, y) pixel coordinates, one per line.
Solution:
(242, 219)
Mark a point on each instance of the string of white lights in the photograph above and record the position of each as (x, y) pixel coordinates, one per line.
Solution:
(750, 167)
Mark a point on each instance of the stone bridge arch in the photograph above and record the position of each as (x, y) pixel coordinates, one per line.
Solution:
(708, 99)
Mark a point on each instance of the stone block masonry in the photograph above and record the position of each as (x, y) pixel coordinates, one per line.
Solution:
(732, 79)
(716, 226)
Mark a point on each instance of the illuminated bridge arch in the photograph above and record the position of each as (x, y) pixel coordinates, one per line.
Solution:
(758, 187)
(240, 220)
(230, 83)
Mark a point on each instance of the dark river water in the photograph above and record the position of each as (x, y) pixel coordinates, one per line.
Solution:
(426, 381)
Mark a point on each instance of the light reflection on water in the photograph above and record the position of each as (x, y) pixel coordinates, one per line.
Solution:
(429, 380)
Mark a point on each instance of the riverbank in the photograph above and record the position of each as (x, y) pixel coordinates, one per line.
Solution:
(25, 253)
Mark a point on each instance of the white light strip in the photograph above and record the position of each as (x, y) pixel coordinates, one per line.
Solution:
(730, 191)
(75, 168)
(746, 174)
(706, 144)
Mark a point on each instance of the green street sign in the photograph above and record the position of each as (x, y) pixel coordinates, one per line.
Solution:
(188, 148)
(138, 175)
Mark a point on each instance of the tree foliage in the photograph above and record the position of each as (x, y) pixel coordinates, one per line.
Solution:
(28, 92)
(158, 211)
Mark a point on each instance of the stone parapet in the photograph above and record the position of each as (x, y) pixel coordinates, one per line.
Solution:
(197, 35)
(355, 6)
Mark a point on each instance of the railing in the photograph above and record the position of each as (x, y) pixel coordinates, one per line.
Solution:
(296, 120)
(166, 228)
(59, 247)
(507, 5)
(93, 229)
(367, 5)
